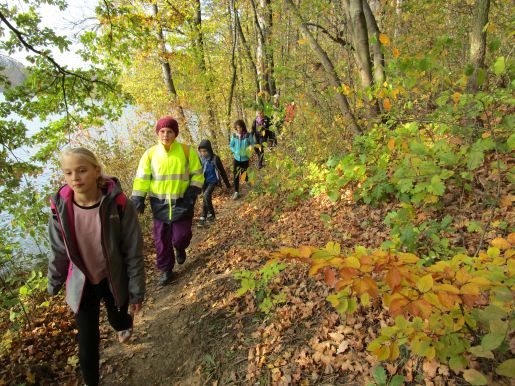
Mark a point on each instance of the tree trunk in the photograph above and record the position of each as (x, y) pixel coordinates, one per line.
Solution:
(232, 13)
(331, 74)
(264, 52)
(478, 42)
(201, 60)
(266, 7)
(360, 38)
(246, 47)
(166, 68)
(373, 30)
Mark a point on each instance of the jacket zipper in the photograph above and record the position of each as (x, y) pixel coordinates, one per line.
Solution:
(66, 247)
(106, 254)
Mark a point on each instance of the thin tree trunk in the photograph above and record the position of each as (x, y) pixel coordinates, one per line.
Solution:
(165, 66)
(247, 51)
(373, 30)
(360, 37)
(269, 49)
(398, 11)
(331, 74)
(478, 42)
(232, 13)
(201, 59)
(359, 33)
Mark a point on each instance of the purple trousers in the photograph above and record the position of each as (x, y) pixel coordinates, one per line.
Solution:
(166, 237)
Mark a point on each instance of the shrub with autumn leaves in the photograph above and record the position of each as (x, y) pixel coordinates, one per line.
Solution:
(457, 311)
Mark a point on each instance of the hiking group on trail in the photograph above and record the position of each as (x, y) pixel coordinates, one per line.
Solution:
(95, 235)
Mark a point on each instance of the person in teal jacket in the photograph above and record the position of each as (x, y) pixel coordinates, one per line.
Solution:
(242, 144)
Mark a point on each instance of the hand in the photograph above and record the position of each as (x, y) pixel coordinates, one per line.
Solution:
(135, 308)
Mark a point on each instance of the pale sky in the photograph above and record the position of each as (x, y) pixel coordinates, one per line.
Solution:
(68, 23)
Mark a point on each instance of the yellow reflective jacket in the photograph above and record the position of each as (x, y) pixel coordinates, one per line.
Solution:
(172, 179)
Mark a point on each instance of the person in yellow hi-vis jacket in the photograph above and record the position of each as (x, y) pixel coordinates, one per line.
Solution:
(172, 176)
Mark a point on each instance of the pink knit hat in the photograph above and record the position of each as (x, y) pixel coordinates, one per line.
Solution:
(169, 122)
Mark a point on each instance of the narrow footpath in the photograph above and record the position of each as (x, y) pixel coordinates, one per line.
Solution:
(177, 330)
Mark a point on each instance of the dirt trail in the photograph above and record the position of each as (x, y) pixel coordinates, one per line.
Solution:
(173, 334)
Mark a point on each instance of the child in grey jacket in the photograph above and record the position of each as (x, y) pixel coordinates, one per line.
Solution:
(98, 251)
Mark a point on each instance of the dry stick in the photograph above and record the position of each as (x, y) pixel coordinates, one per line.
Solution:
(498, 193)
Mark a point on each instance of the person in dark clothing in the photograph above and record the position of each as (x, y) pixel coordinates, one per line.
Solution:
(214, 172)
(262, 133)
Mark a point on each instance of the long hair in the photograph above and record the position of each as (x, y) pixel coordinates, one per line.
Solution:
(88, 156)
(241, 123)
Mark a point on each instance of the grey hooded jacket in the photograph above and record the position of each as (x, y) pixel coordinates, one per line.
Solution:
(121, 242)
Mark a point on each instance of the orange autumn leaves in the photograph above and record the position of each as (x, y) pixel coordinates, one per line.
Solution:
(408, 289)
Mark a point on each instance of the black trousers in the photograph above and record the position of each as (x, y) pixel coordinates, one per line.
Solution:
(208, 200)
(260, 151)
(88, 325)
(239, 167)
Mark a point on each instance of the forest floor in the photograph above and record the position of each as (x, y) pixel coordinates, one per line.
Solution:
(197, 331)
(178, 328)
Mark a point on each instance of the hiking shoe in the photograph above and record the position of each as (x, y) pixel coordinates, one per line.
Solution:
(124, 335)
(211, 217)
(166, 277)
(202, 222)
(180, 255)
(235, 196)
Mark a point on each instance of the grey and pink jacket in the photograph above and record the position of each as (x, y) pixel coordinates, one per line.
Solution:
(121, 242)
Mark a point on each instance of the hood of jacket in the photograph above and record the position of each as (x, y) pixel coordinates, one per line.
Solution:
(206, 144)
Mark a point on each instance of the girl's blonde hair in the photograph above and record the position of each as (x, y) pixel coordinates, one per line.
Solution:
(88, 156)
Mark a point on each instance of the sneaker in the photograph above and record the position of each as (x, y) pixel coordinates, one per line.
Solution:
(180, 255)
(211, 217)
(124, 335)
(235, 196)
(202, 222)
(165, 277)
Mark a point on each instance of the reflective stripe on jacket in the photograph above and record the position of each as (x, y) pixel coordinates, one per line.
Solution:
(168, 178)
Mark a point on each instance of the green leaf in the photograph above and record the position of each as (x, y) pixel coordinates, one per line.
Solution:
(507, 368)
(474, 226)
(457, 362)
(499, 65)
(333, 195)
(511, 142)
(498, 326)
(23, 290)
(492, 340)
(474, 377)
(469, 69)
(379, 374)
(481, 76)
(397, 380)
(325, 217)
(494, 44)
(437, 186)
(479, 351)
(475, 159)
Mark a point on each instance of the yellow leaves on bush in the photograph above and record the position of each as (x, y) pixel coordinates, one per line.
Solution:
(391, 144)
(396, 53)
(425, 283)
(393, 278)
(387, 104)
(384, 39)
(501, 243)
